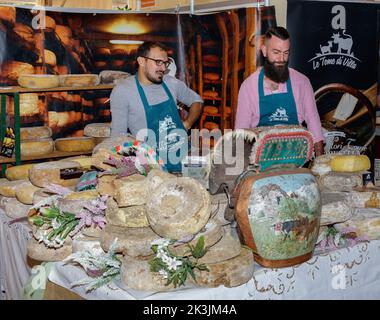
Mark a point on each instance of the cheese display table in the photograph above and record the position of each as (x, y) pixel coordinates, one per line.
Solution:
(14, 270)
(348, 273)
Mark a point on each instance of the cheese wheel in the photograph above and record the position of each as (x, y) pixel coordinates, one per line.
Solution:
(211, 76)
(24, 193)
(98, 130)
(63, 119)
(75, 144)
(156, 177)
(211, 110)
(210, 94)
(52, 119)
(32, 133)
(350, 163)
(38, 147)
(13, 69)
(15, 209)
(45, 173)
(40, 252)
(77, 80)
(178, 208)
(131, 193)
(131, 241)
(9, 188)
(49, 58)
(20, 172)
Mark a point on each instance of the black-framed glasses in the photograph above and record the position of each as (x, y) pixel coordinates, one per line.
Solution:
(159, 62)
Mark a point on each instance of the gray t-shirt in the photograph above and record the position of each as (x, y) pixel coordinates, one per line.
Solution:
(127, 108)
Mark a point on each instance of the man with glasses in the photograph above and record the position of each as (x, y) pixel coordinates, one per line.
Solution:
(146, 106)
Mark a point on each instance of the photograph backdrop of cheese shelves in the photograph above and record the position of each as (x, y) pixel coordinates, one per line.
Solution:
(15, 91)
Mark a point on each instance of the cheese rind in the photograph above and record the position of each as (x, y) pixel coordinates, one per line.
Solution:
(75, 144)
(350, 163)
(38, 147)
(20, 172)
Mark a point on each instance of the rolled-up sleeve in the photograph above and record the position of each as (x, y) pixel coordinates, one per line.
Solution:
(310, 113)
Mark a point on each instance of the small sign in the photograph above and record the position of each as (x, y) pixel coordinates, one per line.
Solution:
(71, 173)
(8, 143)
(368, 179)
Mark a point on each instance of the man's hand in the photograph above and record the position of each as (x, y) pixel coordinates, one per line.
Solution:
(194, 113)
(318, 148)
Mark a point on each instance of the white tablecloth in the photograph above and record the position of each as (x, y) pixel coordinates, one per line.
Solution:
(14, 270)
(349, 273)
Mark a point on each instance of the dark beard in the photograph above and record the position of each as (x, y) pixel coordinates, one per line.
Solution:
(279, 74)
(153, 80)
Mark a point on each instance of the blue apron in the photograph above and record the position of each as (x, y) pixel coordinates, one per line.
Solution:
(164, 121)
(279, 108)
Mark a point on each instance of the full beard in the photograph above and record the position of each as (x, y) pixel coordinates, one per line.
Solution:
(275, 72)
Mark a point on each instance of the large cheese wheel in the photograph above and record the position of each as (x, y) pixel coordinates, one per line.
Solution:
(227, 247)
(38, 147)
(40, 252)
(45, 173)
(350, 163)
(335, 181)
(229, 273)
(77, 80)
(32, 133)
(99, 130)
(131, 241)
(13, 69)
(156, 177)
(178, 208)
(84, 161)
(75, 144)
(8, 14)
(38, 81)
(9, 188)
(15, 209)
(135, 274)
(24, 32)
(24, 193)
(20, 172)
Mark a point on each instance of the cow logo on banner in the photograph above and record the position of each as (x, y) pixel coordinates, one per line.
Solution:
(338, 49)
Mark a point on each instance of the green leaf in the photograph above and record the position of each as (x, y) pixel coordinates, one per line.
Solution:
(199, 251)
(37, 220)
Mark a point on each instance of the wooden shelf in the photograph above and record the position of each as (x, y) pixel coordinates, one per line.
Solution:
(18, 89)
(54, 154)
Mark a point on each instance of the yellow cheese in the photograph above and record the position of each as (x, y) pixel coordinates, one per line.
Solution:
(24, 193)
(350, 163)
(9, 188)
(20, 172)
(38, 147)
(75, 144)
(98, 130)
(38, 81)
(31, 133)
(77, 80)
(85, 162)
(83, 195)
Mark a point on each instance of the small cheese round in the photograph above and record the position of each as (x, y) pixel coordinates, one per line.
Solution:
(38, 147)
(75, 144)
(20, 172)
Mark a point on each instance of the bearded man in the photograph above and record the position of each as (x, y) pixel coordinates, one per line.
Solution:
(145, 105)
(276, 94)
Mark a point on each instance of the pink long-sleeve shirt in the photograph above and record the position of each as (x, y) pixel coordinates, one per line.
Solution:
(248, 111)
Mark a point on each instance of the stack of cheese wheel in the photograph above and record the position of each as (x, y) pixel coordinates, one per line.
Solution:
(24, 32)
(29, 105)
(36, 141)
(101, 56)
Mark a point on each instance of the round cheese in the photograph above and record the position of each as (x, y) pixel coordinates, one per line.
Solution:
(350, 163)
(15, 209)
(9, 188)
(38, 147)
(38, 81)
(32, 133)
(98, 130)
(20, 172)
(13, 69)
(77, 80)
(45, 173)
(40, 252)
(75, 144)
(178, 208)
(25, 192)
(210, 110)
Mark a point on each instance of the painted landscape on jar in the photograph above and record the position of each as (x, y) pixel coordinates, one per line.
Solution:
(284, 214)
